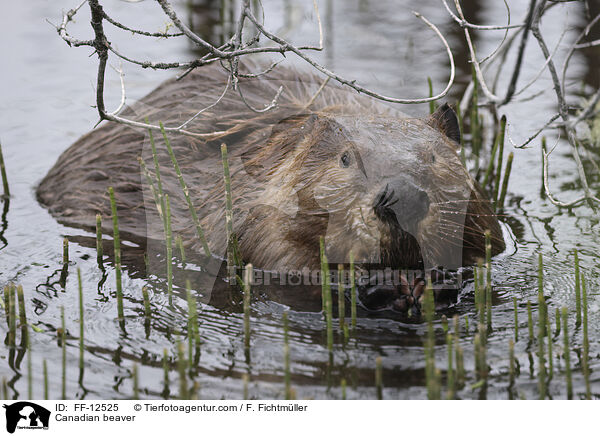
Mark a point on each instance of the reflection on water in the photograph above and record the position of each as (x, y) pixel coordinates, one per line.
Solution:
(47, 107)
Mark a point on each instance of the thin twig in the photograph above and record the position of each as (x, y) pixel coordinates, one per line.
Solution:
(352, 83)
(535, 135)
(141, 32)
(464, 23)
(121, 77)
(547, 186)
(562, 105)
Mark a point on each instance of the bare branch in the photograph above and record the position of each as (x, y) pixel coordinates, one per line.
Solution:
(535, 135)
(62, 28)
(594, 43)
(121, 77)
(352, 83)
(162, 65)
(320, 25)
(267, 107)
(562, 105)
(182, 126)
(547, 186)
(316, 94)
(474, 61)
(464, 23)
(141, 32)
(491, 55)
(545, 65)
(573, 47)
(589, 110)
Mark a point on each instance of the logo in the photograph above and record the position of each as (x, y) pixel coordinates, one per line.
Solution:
(26, 415)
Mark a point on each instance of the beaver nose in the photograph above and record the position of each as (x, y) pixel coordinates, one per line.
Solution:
(403, 202)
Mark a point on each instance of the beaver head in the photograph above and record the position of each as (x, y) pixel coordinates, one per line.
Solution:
(391, 191)
(325, 163)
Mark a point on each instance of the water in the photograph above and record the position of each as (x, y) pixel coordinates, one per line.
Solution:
(47, 90)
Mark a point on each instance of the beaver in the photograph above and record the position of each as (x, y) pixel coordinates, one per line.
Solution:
(324, 164)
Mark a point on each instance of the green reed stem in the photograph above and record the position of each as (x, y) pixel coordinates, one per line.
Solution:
(247, 295)
(192, 324)
(135, 378)
(233, 259)
(186, 192)
(516, 319)
(146, 298)
(460, 370)
(245, 380)
(507, 171)
(286, 357)
(147, 311)
(481, 353)
(29, 367)
(99, 248)
(543, 151)
(450, 372)
(169, 248)
(431, 103)
(511, 362)
(326, 295)
(329, 312)
(329, 315)
(3, 173)
(529, 321)
(65, 252)
(12, 319)
(541, 361)
(557, 318)
(499, 137)
(379, 377)
(45, 374)
(499, 161)
(577, 289)
(543, 309)
(482, 294)
(550, 357)
(567, 352)
(4, 389)
(5, 302)
(22, 314)
(343, 388)
(341, 301)
(195, 395)
(324, 268)
(181, 368)
(459, 116)
(430, 375)
(63, 341)
(153, 189)
(165, 363)
(586, 342)
(352, 293)
(474, 121)
(160, 201)
(477, 292)
(81, 319)
(117, 249)
(488, 281)
(179, 245)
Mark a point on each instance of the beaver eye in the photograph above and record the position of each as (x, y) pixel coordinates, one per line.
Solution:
(345, 160)
(432, 158)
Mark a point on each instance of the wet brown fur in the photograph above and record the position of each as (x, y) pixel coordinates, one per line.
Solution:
(279, 162)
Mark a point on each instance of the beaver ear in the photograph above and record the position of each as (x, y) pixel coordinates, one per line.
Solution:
(444, 119)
